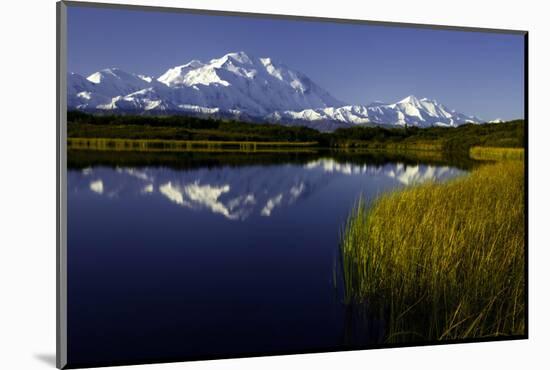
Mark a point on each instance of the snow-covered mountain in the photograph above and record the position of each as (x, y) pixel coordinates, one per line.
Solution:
(233, 83)
(241, 86)
(410, 111)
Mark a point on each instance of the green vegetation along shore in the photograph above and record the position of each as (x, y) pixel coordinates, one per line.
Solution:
(442, 261)
(186, 129)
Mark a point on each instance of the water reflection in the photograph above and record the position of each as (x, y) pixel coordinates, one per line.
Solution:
(405, 174)
(210, 256)
(236, 193)
(197, 196)
(97, 186)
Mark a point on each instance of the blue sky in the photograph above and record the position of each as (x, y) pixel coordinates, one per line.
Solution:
(472, 72)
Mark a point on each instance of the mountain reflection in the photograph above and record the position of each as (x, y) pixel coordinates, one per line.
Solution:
(199, 196)
(236, 193)
(407, 175)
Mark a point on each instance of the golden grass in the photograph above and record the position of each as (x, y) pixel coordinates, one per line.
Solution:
(160, 145)
(419, 145)
(432, 145)
(488, 153)
(442, 260)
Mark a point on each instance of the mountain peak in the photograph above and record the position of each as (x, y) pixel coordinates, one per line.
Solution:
(146, 78)
(113, 82)
(195, 63)
(238, 56)
(428, 100)
(411, 99)
(266, 61)
(176, 75)
(106, 73)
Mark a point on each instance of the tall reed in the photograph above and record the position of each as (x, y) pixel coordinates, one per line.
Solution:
(489, 153)
(441, 261)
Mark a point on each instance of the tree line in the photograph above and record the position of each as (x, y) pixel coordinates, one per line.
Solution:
(178, 127)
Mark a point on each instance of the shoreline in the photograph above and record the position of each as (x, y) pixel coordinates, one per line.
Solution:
(155, 145)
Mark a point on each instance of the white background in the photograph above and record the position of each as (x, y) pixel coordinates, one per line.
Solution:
(27, 182)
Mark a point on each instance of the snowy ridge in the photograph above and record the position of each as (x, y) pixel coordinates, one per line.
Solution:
(424, 112)
(238, 85)
(407, 112)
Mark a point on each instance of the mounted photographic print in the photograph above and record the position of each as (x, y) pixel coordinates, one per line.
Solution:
(235, 184)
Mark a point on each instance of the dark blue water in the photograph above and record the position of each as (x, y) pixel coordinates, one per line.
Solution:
(207, 262)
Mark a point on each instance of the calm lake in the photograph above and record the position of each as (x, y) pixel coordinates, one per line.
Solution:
(181, 259)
